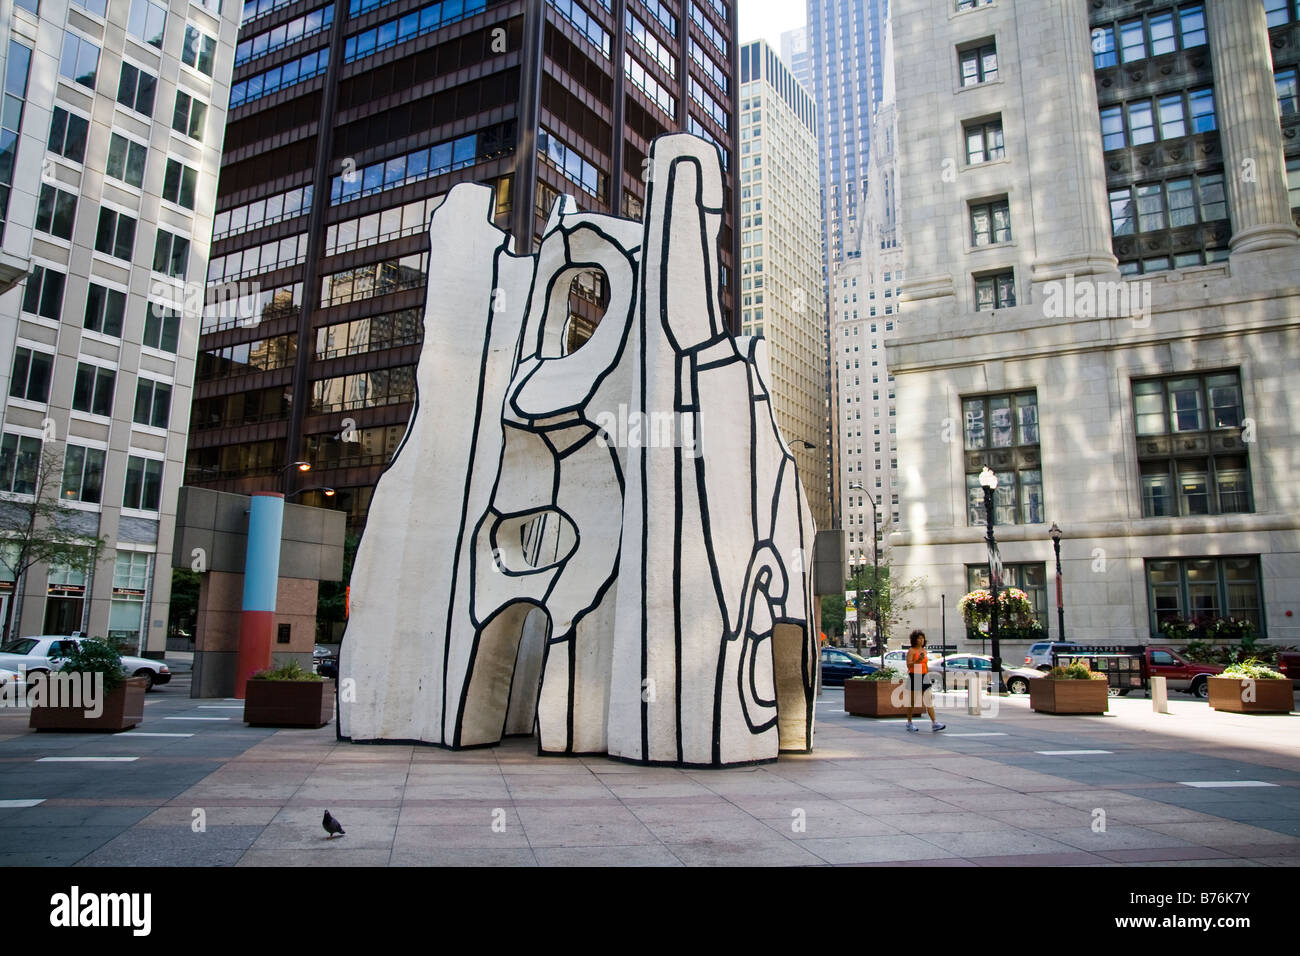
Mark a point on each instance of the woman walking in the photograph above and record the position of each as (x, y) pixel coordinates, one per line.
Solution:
(918, 680)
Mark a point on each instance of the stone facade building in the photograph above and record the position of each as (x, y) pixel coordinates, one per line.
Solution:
(1102, 284)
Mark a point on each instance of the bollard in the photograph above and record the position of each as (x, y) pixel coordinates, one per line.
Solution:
(974, 686)
(1159, 695)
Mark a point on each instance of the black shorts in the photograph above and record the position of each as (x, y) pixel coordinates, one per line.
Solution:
(918, 685)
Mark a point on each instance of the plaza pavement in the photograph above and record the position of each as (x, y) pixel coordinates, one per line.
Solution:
(990, 790)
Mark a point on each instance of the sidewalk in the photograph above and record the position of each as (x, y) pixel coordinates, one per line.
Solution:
(1018, 788)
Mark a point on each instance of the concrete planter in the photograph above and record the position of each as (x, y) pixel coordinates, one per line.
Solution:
(123, 709)
(1242, 696)
(288, 703)
(1048, 696)
(875, 698)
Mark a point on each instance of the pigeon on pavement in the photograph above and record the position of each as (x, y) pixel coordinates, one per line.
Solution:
(332, 826)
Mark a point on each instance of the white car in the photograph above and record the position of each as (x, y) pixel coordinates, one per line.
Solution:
(898, 660)
(31, 656)
(1014, 679)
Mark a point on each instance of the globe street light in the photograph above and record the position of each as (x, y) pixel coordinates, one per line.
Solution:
(1055, 532)
(989, 482)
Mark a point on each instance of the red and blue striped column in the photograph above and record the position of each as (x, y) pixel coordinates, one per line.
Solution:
(261, 582)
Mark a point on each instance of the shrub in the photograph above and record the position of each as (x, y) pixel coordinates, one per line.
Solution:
(1076, 671)
(885, 673)
(1253, 669)
(290, 671)
(95, 657)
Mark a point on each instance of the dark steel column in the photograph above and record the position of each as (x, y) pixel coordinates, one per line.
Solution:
(530, 113)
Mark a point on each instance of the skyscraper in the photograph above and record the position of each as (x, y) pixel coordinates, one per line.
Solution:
(865, 310)
(845, 40)
(1100, 294)
(113, 117)
(795, 55)
(780, 256)
(349, 122)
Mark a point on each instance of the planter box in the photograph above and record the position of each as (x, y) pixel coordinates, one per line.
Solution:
(123, 709)
(288, 703)
(875, 698)
(1271, 696)
(1048, 696)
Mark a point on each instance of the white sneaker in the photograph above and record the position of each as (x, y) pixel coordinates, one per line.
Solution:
(938, 727)
(912, 727)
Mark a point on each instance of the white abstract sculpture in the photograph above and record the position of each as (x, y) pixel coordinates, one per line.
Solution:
(537, 556)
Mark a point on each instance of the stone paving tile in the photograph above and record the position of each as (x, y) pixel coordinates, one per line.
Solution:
(874, 849)
(171, 816)
(782, 806)
(457, 814)
(360, 836)
(461, 836)
(995, 843)
(997, 800)
(733, 830)
(462, 856)
(1043, 818)
(645, 855)
(338, 857)
(1223, 834)
(175, 846)
(1115, 837)
(912, 803)
(580, 832)
(715, 809)
(777, 852)
(948, 821)
(47, 815)
(849, 823)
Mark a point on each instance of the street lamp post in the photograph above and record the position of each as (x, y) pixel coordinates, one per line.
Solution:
(875, 566)
(989, 482)
(327, 492)
(301, 466)
(1055, 532)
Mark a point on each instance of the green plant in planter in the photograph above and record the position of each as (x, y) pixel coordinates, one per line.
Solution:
(1076, 671)
(290, 671)
(95, 657)
(1177, 629)
(885, 673)
(1253, 669)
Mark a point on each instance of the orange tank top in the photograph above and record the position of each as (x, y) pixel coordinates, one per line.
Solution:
(918, 656)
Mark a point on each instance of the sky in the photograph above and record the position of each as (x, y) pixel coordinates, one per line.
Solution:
(768, 19)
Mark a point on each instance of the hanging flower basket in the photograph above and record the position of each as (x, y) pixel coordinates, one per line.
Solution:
(1016, 610)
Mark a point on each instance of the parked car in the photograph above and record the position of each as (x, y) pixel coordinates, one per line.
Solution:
(324, 650)
(839, 665)
(1288, 664)
(9, 677)
(327, 667)
(33, 656)
(1039, 654)
(898, 660)
(1181, 674)
(958, 666)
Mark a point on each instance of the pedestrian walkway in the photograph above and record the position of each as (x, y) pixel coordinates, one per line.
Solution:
(1132, 788)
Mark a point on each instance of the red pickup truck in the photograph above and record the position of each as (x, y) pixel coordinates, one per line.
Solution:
(1288, 662)
(1181, 674)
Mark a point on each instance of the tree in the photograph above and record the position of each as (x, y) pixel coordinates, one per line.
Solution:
(331, 600)
(833, 613)
(34, 528)
(184, 611)
(881, 596)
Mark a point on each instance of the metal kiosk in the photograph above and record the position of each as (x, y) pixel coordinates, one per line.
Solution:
(1125, 667)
